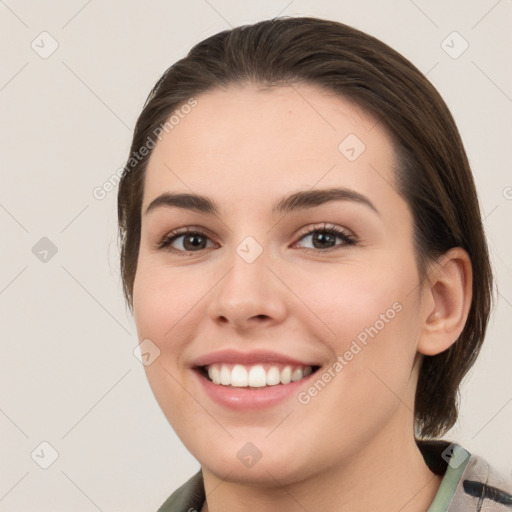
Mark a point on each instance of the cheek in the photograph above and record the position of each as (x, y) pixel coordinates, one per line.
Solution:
(163, 307)
(350, 298)
(368, 316)
(162, 298)
(373, 330)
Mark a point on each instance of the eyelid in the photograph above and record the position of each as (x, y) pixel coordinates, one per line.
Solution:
(324, 226)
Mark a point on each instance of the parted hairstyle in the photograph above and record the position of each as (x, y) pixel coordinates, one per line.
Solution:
(432, 173)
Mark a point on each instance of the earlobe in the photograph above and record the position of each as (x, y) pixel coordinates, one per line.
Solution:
(447, 299)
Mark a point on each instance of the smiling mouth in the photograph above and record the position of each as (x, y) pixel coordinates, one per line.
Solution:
(255, 376)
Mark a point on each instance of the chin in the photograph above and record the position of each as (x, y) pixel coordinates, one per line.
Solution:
(243, 463)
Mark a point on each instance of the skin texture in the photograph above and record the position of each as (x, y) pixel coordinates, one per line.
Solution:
(352, 446)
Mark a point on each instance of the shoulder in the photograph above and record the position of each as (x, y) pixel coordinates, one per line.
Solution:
(483, 488)
(187, 498)
(469, 482)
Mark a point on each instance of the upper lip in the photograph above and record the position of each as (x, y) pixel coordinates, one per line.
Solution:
(253, 357)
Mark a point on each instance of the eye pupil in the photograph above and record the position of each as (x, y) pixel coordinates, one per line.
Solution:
(195, 244)
(323, 238)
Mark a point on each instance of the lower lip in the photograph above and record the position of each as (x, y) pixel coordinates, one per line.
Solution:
(250, 398)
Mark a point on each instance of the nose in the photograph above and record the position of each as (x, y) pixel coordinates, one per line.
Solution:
(249, 295)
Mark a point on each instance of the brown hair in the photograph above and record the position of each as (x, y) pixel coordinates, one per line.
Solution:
(433, 173)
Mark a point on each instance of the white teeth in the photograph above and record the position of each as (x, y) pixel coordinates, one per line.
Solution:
(225, 376)
(297, 374)
(255, 376)
(273, 376)
(286, 375)
(239, 377)
(214, 374)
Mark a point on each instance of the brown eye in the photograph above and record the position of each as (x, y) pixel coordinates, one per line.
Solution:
(185, 241)
(193, 241)
(324, 238)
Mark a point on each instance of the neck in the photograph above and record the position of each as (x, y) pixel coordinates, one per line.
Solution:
(388, 474)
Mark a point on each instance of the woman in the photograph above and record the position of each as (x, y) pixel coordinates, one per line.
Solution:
(302, 249)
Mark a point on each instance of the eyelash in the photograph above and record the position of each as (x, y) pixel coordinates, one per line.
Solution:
(348, 240)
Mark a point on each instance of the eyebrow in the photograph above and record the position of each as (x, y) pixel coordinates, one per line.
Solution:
(297, 201)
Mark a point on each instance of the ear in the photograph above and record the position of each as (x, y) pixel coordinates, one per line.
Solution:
(446, 296)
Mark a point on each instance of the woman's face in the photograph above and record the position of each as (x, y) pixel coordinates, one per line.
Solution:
(258, 292)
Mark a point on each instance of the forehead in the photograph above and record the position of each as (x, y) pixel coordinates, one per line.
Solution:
(244, 141)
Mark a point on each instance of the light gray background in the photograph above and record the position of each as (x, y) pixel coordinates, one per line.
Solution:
(68, 375)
